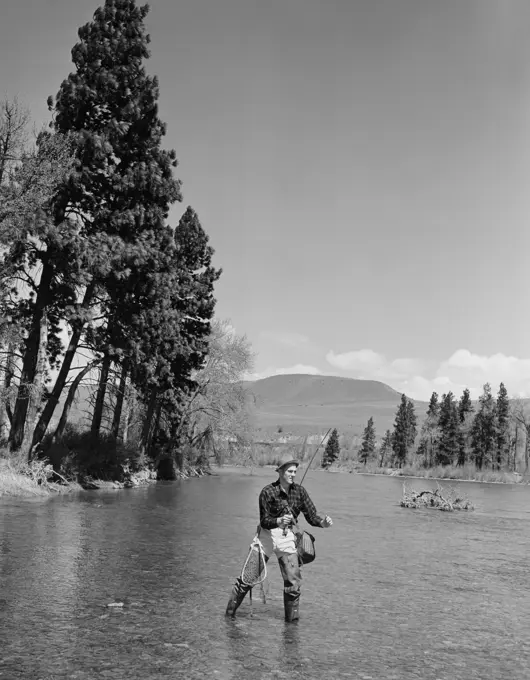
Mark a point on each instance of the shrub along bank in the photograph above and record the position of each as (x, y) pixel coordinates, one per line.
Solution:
(79, 462)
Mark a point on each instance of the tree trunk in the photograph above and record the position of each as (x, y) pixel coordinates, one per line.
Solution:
(29, 363)
(100, 398)
(147, 430)
(515, 442)
(156, 427)
(59, 432)
(527, 449)
(127, 420)
(37, 389)
(115, 429)
(60, 381)
(5, 413)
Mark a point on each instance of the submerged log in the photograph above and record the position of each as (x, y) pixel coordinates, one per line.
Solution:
(446, 499)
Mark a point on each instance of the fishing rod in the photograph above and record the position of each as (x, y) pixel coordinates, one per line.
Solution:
(307, 468)
(313, 457)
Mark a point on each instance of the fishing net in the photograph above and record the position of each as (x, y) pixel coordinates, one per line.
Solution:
(254, 570)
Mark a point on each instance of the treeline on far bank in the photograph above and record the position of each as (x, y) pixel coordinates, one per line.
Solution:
(95, 284)
(490, 434)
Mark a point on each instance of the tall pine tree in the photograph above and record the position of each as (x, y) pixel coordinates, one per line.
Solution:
(465, 411)
(430, 432)
(332, 450)
(386, 448)
(404, 433)
(484, 430)
(449, 432)
(368, 444)
(118, 198)
(503, 427)
(465, 406)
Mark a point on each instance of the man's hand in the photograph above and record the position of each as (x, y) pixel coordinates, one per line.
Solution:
(327, 522)
(285, 521)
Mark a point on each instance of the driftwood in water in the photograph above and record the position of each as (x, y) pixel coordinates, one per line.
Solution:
(447, 499)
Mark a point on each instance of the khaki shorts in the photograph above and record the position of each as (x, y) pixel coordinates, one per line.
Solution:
(274, 541)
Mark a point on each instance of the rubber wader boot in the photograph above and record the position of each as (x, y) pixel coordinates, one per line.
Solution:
(290, 604)
(236, 598)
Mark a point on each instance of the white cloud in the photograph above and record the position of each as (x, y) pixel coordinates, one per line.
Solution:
(419, 378)
(359, 360)
(475, 370)
(369, 365)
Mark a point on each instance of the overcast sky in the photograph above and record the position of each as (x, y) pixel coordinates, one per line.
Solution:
(362, 168)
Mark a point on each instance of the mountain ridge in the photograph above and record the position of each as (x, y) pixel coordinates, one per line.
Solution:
(304, 404)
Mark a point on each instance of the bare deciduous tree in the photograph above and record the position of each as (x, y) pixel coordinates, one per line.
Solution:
(14, 122)
(219, 409)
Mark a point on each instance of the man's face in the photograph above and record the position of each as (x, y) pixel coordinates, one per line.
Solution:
(288, 474)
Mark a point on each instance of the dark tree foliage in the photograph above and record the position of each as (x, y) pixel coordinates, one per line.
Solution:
(123, 182)
(386, 448)
(465, 411)
(174, 338)
(434, 406)
(448, 423)
(404, 433)
(465, 406)
(412, 424)
(368, 443)
(428, 445)
(484, 430)
(136, 293)
(503, 427)
(462, 448)
(332, 450)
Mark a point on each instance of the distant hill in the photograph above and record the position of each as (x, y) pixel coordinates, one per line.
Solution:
(303, 404)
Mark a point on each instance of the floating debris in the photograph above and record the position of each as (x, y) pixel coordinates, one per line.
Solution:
(441, 498)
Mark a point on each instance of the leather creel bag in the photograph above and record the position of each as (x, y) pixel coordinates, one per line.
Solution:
(305, 545)
(305, 542)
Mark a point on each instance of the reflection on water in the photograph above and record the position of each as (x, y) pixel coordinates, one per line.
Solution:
(393, 593)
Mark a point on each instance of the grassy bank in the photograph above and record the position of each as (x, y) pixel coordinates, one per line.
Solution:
(78, 463)
(261, 456)
(17, 479)
(467, 473)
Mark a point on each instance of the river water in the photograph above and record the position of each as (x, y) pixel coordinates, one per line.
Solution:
(393, 594)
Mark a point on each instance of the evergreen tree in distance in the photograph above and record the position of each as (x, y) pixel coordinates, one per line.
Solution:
(430, 432)
(503, 426)
(332, 450)
(368, 444)
(448, 423)
(465, 410)
(411, 424)
(386, 447)
(404, 433)
(484, 429)
(465, 406)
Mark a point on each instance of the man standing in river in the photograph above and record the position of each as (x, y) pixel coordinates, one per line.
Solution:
(280, 503)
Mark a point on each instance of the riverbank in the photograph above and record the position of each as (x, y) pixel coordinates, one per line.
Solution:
(30, 480)
(38, 479)
(467, 473)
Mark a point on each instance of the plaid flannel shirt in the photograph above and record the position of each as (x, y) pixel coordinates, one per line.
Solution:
(274, 503)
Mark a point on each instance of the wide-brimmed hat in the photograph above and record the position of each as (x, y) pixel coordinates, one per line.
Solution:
(286, 463)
